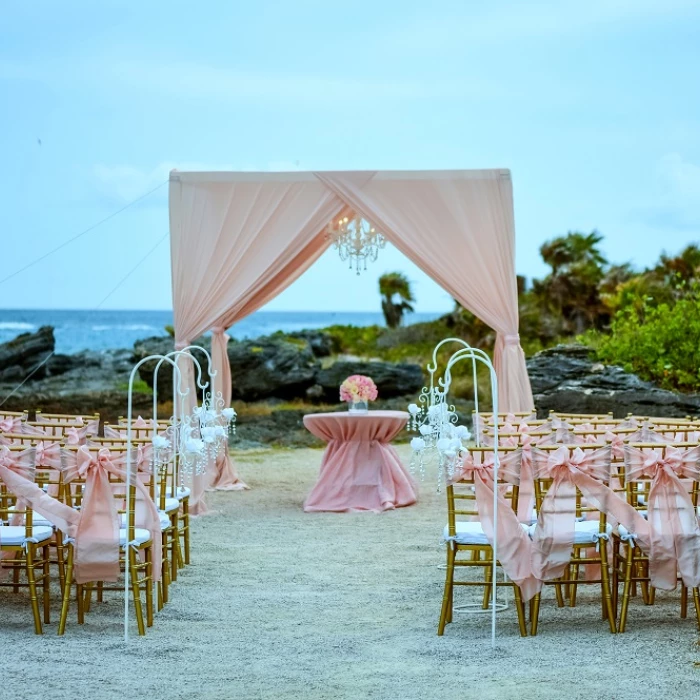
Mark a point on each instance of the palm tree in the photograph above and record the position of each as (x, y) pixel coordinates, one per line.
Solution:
(570, 293)
(396, 297)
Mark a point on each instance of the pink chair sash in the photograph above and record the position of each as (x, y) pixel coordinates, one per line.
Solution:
(17, 473)
(97, 536)
(674, 531)
(514, 546)
(553, 536)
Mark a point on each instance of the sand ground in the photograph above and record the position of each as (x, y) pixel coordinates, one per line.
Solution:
(282, 604)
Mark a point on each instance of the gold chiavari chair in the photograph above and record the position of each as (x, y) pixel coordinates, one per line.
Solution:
(467, 537)
(48, 477)
(22, 415)
(590, 527)
(135, 544)
(61, 430)
(169, 486)
(581, 416)
(26, 542)
(168, 510)
(41, 417)
(632, 567)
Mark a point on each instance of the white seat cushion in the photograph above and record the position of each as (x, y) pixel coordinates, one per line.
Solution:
(625, 534)
(182, 492)
(15, 535)
(585, 531)
(140, 536)
(469, 533)
(163, 517)
(37, 520)
(171, 505)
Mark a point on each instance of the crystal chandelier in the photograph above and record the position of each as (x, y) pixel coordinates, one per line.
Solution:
(356, 240)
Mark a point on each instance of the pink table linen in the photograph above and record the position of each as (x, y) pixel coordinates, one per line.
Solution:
(360, 469)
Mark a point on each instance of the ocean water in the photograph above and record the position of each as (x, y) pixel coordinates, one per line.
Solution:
(100, 330)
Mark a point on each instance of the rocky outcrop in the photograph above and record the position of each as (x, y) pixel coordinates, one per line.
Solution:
(566, 379)
(20, 356)
(85, 382)
(402, 379)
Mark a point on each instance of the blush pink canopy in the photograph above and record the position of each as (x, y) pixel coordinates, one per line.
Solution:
(239, 239)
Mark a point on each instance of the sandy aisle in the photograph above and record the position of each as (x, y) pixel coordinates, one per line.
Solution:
(280, 604)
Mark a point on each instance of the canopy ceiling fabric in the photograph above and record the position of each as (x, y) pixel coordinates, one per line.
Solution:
(239, 239)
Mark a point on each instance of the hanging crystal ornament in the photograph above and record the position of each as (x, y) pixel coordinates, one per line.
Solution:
(356, 241)
(436, 423)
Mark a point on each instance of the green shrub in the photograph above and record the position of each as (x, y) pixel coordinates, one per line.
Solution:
(659, 343)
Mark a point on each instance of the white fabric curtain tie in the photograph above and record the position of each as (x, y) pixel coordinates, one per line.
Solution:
(217, 329)
(182, 344)
(630, 538)
(597, 537)
(511, 339)
(29, 540)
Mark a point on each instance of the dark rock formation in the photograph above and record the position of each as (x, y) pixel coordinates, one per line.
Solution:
(321, 344)
(273, 366)
(566, 379)
(401, 379)
(18, 357)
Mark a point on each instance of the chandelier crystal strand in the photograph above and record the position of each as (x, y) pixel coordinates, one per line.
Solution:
(356, 241)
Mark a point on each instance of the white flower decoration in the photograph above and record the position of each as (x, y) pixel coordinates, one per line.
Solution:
(160, 443)
(425, 430)
(418, 444)
(208, 435)
(219, 431)
(194, 446)
(462, 432)
(228, 414)
(413, 409)
(444, 444)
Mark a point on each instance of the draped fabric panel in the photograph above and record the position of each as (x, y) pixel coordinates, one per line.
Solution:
(239, 239)
(236, 244)
(458, 227)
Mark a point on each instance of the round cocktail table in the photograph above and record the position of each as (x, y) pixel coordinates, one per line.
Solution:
(360, 469)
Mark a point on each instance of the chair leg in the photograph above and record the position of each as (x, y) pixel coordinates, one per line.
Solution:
(46, 583)
(131, 562)
(449, 578)
(186, 528)
(626, 589)
(79, 590)
(16, 571)
(520, 608)
(175, 524)
(696, 601)
(573, 586)
(100, 591)
(535, 614)
(66, 592)
(149, 586)
(615, 582)
(87, 598)
(60, 558)
(605, 586)
(684, 602)
(31, 579)
(488, 577)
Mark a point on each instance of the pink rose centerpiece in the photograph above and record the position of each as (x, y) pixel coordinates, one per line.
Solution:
(358, 391)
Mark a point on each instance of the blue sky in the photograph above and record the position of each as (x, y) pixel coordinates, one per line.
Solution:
(594, 107)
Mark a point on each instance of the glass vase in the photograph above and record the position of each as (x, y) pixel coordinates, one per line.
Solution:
(357, 407)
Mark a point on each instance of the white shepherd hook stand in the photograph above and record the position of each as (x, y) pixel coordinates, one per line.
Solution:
(194, 438)
(435, 419)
